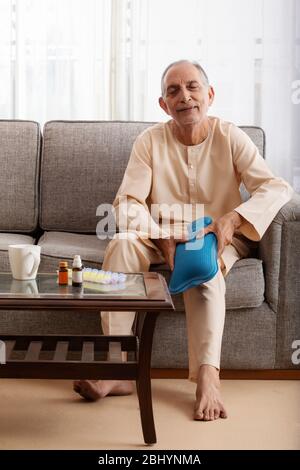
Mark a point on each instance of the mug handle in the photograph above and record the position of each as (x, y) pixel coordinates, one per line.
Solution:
(35, 262)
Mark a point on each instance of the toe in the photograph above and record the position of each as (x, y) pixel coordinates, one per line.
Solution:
(223, 413)
(206, 415)
(198, 415)
(77, 386)
(198, 412)
(216, 413)
(86, 389)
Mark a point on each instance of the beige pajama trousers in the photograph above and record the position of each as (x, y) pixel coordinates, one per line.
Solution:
(204, 304)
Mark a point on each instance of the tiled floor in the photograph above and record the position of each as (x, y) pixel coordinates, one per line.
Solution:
(36, 414)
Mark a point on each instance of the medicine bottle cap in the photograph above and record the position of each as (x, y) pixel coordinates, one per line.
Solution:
(63, 264)
(77, 262)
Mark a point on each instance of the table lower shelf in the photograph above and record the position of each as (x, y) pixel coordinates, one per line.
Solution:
(70, 357)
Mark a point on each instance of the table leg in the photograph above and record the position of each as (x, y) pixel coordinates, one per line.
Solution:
(145, 328)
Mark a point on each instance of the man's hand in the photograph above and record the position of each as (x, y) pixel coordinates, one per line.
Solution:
(224, 229)
(168, 246)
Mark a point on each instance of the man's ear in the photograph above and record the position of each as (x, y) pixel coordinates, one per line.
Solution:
(211, 95)
(163, 105)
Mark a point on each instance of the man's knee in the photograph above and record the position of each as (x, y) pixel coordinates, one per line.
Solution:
(119, 242)
(216, 285)
(127, 254)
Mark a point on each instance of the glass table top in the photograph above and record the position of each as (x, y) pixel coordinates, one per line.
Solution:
(46, 285)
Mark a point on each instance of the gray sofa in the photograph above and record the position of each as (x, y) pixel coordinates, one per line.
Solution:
(50, 188)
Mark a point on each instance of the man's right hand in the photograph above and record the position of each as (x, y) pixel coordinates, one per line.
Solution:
(168, 246)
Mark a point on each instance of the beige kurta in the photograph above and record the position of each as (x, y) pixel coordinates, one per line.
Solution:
(161, 170)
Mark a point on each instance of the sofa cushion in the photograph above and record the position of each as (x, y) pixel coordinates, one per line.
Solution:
(11, 239)
(83, 165)
(19, 162)
(62, 245)
(245, 285)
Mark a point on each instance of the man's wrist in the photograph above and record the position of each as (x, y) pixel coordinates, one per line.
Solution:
(237, 219)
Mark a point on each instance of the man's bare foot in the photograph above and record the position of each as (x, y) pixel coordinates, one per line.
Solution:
(209, 405)
(93, 390)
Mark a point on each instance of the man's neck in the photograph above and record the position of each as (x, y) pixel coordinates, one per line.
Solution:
(191, 134)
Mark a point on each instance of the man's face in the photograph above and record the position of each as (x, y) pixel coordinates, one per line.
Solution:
(186, 96)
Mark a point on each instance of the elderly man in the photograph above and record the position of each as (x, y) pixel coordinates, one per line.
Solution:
(192, 159)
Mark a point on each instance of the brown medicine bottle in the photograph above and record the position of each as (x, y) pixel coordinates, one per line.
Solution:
(63, 273)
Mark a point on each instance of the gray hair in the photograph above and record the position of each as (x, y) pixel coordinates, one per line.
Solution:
(196, 64)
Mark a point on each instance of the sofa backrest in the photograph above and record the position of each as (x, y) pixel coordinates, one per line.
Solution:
(83, 163)
(257, 135)
(20, 143)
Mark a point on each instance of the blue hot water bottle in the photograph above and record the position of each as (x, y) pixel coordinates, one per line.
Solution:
(196, 261)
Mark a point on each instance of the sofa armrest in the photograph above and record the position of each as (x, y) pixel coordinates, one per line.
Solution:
(284, 224)
(279, 250)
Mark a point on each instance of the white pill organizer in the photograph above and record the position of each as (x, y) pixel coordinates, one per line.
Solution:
(100, 276)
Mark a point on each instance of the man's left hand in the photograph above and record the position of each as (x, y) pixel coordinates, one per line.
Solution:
(224, 228)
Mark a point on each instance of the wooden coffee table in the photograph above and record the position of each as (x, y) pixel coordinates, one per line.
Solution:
(86, 356)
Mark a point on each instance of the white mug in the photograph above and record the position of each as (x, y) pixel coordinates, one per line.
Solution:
(24, 261)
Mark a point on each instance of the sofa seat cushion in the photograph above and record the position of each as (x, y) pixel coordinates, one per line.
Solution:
(245, 285)
(11, 239)
(14, 239)
(63, 245)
